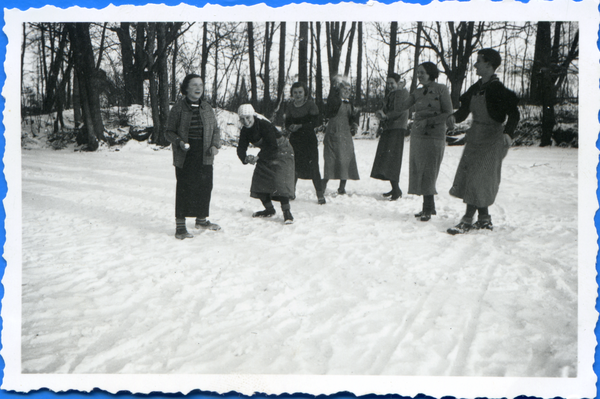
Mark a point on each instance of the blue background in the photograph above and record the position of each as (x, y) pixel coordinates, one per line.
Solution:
(97, 394)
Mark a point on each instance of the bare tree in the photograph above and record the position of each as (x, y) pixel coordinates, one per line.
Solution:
(549, 72)
(359, 57)
(303, 53)
(253, 89)
(83, 55)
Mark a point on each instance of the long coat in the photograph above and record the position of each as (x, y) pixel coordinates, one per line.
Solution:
(304, 140)
(338, 147)
(432, 106)
(274, 171)
(388, 157)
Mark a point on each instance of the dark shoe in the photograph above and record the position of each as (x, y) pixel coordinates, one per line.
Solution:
(460, 228)
(425, 217)
(322, 201)
(420, 214)
(396, 195)
(208, 225)
(341, 191)
(182, 234)
(388, 194)
(287, 217)
(267, 213)
(483, 225)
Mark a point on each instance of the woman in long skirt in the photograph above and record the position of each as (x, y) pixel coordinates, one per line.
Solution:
(433, 106)
(487, 142)
(192, 129)
(394, 120)
(301, 118)
(273, 178)
(338, 147)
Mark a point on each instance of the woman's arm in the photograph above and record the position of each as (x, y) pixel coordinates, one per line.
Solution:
(465, 106)
(242, 147)
(511, 102)
(172, 125)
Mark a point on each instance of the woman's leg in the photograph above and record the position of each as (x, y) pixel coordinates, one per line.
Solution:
(342, 188)
(466, 223)
(268, 204)
(396, 192)
(484, 220)
(286, 208)
(181, 231)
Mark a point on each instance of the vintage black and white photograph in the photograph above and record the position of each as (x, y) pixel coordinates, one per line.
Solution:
(320, 194)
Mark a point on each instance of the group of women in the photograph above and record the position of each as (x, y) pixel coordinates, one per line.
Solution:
(292, 154)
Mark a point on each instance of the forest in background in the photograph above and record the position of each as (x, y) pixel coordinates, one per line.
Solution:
(91, 67)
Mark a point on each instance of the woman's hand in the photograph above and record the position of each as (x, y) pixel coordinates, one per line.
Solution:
(380, 115)
(251, 159)
(213, 151)
(184, 146)
(353, 129)
(293, 127)
(507, 140)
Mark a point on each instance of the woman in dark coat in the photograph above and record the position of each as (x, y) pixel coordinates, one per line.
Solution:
(273, 178)
(433, 106)
(301, 118)
(394, 120)
(487, 142)
(192, 129)
(338, 147)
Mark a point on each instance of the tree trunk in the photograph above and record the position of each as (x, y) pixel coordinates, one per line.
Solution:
(303, 53)
(359, 58)
(162, 71)
(349, 51)
(174, 71)
(253, 89)
(76, 101)
(414, 82)
(335, 41)
(23, 46)
(393, 41)
(269, 30)
(541, 80)
(204, 51)
(83, 54)
(319, 71)
(52, 76)
(281, 76)
(153, 84)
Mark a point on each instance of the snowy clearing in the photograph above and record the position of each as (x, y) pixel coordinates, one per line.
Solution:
(357, 286)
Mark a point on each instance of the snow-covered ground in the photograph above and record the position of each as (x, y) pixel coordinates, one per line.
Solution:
(357, 286)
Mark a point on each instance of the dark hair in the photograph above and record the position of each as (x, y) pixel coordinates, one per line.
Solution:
(491, 56)
(186, 82)
(297, 85)
(394, 76)
(431, 70)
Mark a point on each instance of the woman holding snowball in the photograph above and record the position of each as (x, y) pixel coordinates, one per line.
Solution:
(195, 137)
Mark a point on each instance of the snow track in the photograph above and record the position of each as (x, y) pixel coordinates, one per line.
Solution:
(356, 286)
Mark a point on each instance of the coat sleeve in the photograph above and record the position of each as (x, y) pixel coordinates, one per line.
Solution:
(513, 113)
(269, 135)
(243, 143)
(172, 124)
(465, 106)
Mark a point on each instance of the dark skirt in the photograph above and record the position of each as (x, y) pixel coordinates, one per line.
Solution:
(388, 158)
(306, 154)
(275, 177)
(194, 184)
